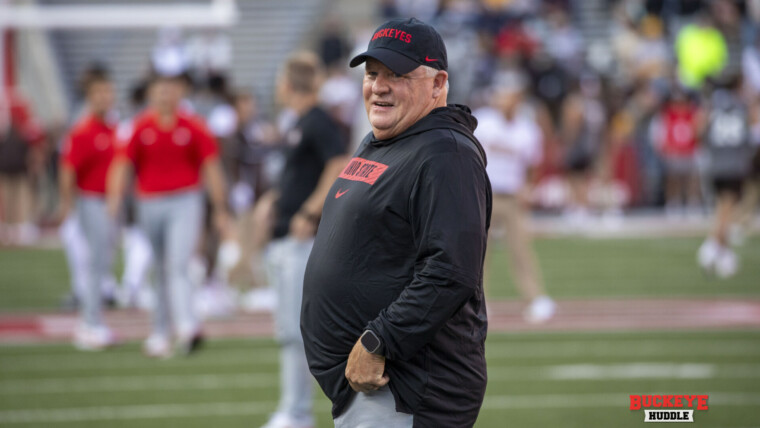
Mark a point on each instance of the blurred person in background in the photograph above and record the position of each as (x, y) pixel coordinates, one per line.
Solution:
(676, 139)
(209, 53)
(21, 159)
(169, 152)
(315, 155)
(701, 51)
(218, 254)
(72, 233)
(169, 56)
(751, 191)
(729, 145)
(87, 154)
(751, 66)
(651, 58)
(250, 148)
(512, 138)
(564, 42)
(582, 129)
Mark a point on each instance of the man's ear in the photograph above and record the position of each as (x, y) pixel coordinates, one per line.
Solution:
(439, 83)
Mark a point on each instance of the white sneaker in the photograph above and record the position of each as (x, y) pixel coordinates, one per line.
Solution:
(260, 300)
(707, 254)
(540, 310)
(282, 420)
(87, 338)
(157, 346)
(727, 264)
(189, 340)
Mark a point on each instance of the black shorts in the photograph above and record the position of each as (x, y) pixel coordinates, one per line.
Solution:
(728, 185)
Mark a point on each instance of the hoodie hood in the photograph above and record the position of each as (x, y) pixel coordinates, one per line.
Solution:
(456, 117)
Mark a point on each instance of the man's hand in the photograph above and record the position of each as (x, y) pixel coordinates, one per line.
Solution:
(365, 372)
(302, 226)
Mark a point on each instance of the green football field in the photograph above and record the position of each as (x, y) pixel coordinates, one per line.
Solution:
(536, 379)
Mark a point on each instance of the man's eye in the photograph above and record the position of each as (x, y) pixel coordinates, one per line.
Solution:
(397, 76)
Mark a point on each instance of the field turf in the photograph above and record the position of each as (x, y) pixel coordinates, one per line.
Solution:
(536, 379)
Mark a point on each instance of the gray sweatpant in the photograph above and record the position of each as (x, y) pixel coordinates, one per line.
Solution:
(376, 409)
(286, 265)
(172, 224)
(99, 231)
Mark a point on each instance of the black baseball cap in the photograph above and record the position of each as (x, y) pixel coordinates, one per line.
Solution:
(404, 44)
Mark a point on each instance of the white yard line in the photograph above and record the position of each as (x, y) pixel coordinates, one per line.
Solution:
(163, 411)
(625, 371)
(598, 348)
(37, 363)
(247, 380)
(628, 347)
(140, 383)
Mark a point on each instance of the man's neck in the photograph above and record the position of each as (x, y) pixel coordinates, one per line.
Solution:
(99, 115)
(166, 119)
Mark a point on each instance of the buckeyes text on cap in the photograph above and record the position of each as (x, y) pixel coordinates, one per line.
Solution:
(404, 44)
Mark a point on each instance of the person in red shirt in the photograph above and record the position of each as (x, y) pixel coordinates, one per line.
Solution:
(169, 151)
(86, 157)
(678, 147)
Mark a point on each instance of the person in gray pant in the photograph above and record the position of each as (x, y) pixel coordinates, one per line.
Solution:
(86, 156)
(169, 150)
(314, 158)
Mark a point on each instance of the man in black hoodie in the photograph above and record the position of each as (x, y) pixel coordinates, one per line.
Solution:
(393, 315)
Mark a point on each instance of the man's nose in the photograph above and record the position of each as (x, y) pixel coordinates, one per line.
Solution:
(380, 86)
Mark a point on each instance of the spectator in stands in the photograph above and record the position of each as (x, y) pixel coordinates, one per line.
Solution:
(169, 56)
(512, 138)
(652, 54)
(209, 53)
(701, 52)
(564, 43)
(21, 155)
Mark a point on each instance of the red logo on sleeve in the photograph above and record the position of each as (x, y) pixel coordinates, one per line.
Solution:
(363, 170)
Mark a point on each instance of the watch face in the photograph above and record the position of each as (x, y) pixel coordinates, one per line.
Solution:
(370, 341)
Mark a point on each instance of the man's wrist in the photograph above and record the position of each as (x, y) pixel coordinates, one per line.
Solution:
(372, 343)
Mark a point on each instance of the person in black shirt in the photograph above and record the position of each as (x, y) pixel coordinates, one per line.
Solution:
(393, 315)
(314, 157)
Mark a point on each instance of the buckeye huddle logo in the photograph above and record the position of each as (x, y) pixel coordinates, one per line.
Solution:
(669, 408)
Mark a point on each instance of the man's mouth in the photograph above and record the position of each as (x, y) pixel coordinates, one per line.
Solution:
(382, 104)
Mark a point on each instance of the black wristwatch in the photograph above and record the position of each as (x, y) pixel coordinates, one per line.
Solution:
(372, 343)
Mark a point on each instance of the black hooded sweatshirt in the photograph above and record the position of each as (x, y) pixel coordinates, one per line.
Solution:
(400, 251)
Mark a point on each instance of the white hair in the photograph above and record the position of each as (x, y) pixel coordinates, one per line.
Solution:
(431, 72)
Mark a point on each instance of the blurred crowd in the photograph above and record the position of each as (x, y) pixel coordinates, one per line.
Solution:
(622, 104)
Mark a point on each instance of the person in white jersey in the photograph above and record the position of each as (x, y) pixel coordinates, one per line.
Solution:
(512, 139)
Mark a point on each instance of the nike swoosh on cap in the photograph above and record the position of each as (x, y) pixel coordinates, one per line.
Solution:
(430, 59)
